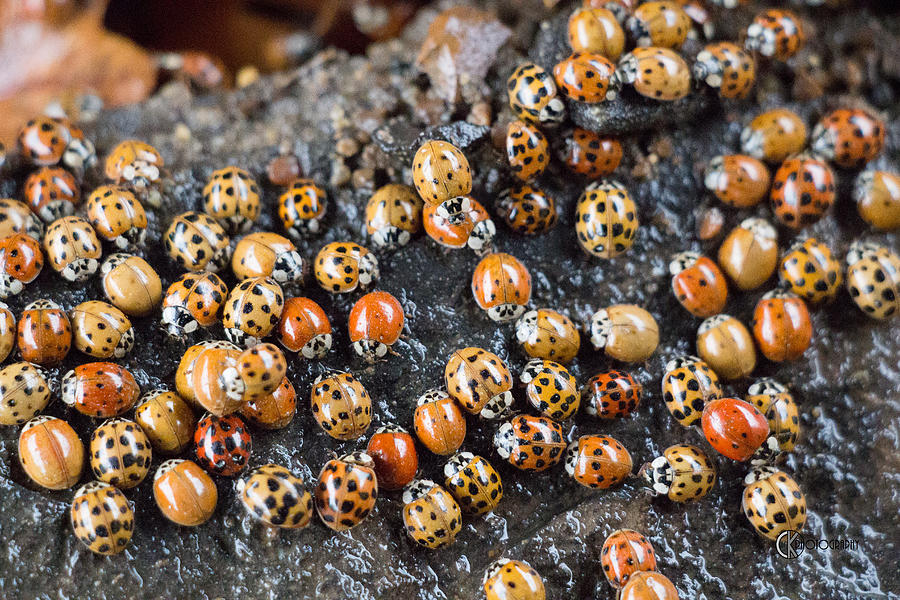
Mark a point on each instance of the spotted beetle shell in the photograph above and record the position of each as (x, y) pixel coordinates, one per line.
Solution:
(530, 443)
(277, 497)
(504, 578)
(688, 384)
(606, 220)
(431, 516)
(120, 453)
(346, 491)
(24, 392)
(102, 518)
(624, 553)
(598, 461)
(551, 389)
(773, 502)
(341, 405)
(474, 483)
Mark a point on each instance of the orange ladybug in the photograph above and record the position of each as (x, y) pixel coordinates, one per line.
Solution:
(738, 180)
(51, 453)
(52, 193)
(184, 493)
(527, 209)
(393, 451)
(659, 23)
(877, 196)
(194, 300)
(302, 208)
(596, 30)
(698, 284)
(49, 141)
(266, 254)
(100, 389)
(545, 333)
(508, 579)
(648, 585)
(393, 215)
(611, 395)
(530, 443)
(117, 216)
(735, 428)
(501, 286)
(782, 326)
(137, 165)
(774, 135)
(442, 176)
(16, 217)
(272, 411)
(591, 154)
(585, 77)
(476, 230)
(21, 261)
(232, 197)
(44, 333)
(727, 68)
(655, 73)
(598, 461)
(375, 323)
(526, 150)
(802, 191)
(775, 34)
(533, 96)
(346, 491)
(749, 253)
(304, 328)
(624, 553)
(479, 381)
(439, 423)
(341, 405)
(848, 137)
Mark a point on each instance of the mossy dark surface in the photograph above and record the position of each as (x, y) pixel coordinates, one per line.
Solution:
(847, 384)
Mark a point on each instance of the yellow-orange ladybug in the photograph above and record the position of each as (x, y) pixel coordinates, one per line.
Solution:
(117, 216)
(598, 461)
(659, 23)
(24, 392)
(197, 242)
(101, 518)
(7, 331)
(72, 248)
(184, 374)
(877, 195)
(527, 150)
(624, 332)
(51, 453)
(277, 497)
(596, 30)
(341, 267)
(252, 310)
(727, 68)
(16, 217)
(773, 502)
(302, 208)
(775, 34)
(774, 135)
(545, 333)
(52, 193)
(393, 215)
(101, 330)
(683, 473)
(501, 286)
(508, 579)
(726, 345)
(167, 420)
(532, 95)
(135, 164)
(266, 254)
(193, 300)
(606, 221)
(655, 73)
(430, 514)
(184, 493)
(341, 405)
(120, 453)
(232, 197)
(749, 253)
(811, 271)
(131, 284)
(550, 389)
(442, 176)
(479, 381)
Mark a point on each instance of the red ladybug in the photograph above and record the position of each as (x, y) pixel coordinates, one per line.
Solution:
(394, 452)
(375, 323)
(222, 444)
(735, 428)
(21, 261)
(782, 326)
(100, 389)
(802, 191)
(698, 284)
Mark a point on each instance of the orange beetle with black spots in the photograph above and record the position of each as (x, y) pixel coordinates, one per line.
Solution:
(52, 193)
(848, 137)
(120, 453)
(606, 220)
(782, 326)
(479, 381)
(17, 217)
(21, 261)
(117, 216)
(49, 141)
(197, 242)
(232, 197)
(738, 180)
(193, 300)
(591, 154)
(727, 68)
(341, 405)
(611, 395)
(585, 77)
(526, 150)
(775, 34)
(44, 333)
(683, 473)
(100, 389)
(653, 72)
(346, 491)
(598, 461)
(501, 286)
(545, 333)
(659, 23)
(688, 385)
(277, 497)
(530, 443)
(550, 389)
(101, 518)
(527, 210)
(476, 230)
(698, 284)
(393, 215)
(252, 310)
(222, 444)
(533, 96)
(305, 328)
(506, 579)
(442, 176)
(811, 271)
(341, 267)
(803, 189)
(430, 514)
(272, 411)
(624, 553)
(302, 208)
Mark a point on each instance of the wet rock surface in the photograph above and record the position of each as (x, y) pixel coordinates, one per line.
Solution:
(847, 384)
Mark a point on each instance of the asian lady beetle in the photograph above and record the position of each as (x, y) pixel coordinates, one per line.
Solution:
(393, 451)
(222, 444)
(606, 219)
(206, 378)
(21, 261)
(480, 381)
(232, 197)
(102, 518)
(16, 217)
(527, 210)
(476, 230)
(341, 267)
(781, 326)
(501, 286)
(101, 330)
(774, 135)
(873, 279)
(848, 137)
(257, 372)
(727, 68)
(341, 405)
(439, 423)
(532, 95)
(100, 389)
(24, 392)
(698, 284)
(252, 310)
(877, 196)
(530, 443)
(777, 404)
(527, 150)
(656, 73)
(265, 254)
(346, 491)
(551, 389)
(648, 585)
(302, 208)
(52, 193)
(625, 332)
(167, 421)
(72, 248)
(442, 177)
(7, 331)
(659, 23)
(277, 497)
(775, 34)
(598, 461)
(683, 473)
(431, 516)
(802, 191)
(193, 300)
(592, 154)
(131, 284)
(545, 333)
(120, 453)
(305, 328)
(688, 385)
(137, 165)
(611, 395)
(749, 253)
(375, 324)
(505, 579)
(735, 428)
(196, 242)
(474, 483)
(43, 334)
(584, 77)
(726, 346)
(624, 553)
(272, 411)
(50, 452)
(773, 502)
(184, 374)
(393, 215)
(184, 493)
(738, 180)
(117, 216)
(597, 31)
(49, 141)
(811, 271)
